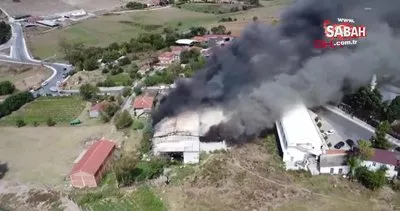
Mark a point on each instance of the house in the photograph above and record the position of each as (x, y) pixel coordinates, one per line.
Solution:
(95, 110)
(334, 161)
(300, 144)
(143, 105)
(382, 158)
(92, 164)
(167, 58)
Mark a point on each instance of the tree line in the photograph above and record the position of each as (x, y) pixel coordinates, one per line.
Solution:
(14, 102)
(368, 105)
(5, 32)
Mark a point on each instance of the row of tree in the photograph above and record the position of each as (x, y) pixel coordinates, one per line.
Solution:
(14, 102)
(5, 32)
(6, 88)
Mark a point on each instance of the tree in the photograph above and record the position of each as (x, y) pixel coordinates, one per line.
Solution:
(127, 91)
(50, 122)
(20, 123)
(364, 150)
(124, 61)
(220, 29)
(6, 88)
(5, 32)
(123, 120)
(137, 124)
(137, 90)
(319, 124)
(379, 140)
(366, 103)
(353, 162)
(90, 64)
(88, 91)
(14, 102)
(392, 111)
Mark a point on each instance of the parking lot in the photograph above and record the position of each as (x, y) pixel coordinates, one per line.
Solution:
(334, 138)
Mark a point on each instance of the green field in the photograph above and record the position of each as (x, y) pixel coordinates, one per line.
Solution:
(60, 109)
(104, 30)
(209, 8)
(121, 79)
(143, 199)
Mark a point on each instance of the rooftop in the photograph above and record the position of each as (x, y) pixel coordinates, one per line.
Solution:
(299, 127)
(386, 157)
(94, 157)
(185, 41)
(143, 102)
(331, 160)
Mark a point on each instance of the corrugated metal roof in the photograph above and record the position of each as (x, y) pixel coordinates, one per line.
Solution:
(94, 157)
(299, 128)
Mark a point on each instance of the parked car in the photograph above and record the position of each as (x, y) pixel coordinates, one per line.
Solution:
(350, 143)
(330, 132)
(397, 149)
(339, 145)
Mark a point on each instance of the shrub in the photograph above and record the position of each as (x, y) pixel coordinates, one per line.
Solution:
(316, 119)
(123, 120)
(149, 169)
(14, 102)
(35, 123)
(105, 71)
(127, 91)
(124, 61)
(319, 124)
(371, 179)
(6, 88)
(50, 122)
(137, 124)
(20, 123)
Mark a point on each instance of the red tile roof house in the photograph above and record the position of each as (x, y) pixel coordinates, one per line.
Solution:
(142, 105)
(88, 171)
(96, 109)
(167, 58)
(384, 158)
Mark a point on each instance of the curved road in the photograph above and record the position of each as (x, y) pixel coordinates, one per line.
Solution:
(19, 53)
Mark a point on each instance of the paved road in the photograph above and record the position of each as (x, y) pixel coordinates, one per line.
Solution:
(347, 127)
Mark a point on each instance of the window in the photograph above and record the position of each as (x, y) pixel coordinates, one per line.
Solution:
(332, 170)
(340, 171)
(373, 164)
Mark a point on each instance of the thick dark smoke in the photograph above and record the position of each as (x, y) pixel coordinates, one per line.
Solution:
(270, 68)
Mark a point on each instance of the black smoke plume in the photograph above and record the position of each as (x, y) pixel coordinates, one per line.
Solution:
(270, 68)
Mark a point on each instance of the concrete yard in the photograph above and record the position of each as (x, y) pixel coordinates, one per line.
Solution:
(45, 155)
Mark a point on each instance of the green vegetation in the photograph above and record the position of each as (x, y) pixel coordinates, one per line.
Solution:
(371, 179)
(6, 88)
(59, 109)
(121, 79)
(135, 5)
(14, 102)
(123, 120)
(213, 8)
(137, 124)
(88, 91)
(5, 32)
(379, 140)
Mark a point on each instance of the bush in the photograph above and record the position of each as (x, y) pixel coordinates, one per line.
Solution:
(371, 179)
(135, 5)
(316, 119)
(137, 90)
(35, 123)
(124, 61)
(123, 120)
(137, 124)
(105, 71)
(50, 122)
(146, 170)
(126, 92)
(20, 123)
(145, 142)
(319, 124)
(6, 88)
(5, 32)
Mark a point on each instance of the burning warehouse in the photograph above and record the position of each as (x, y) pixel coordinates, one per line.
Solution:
(184, 134)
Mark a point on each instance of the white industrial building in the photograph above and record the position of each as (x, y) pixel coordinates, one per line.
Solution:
(300, 141)
(181, 134)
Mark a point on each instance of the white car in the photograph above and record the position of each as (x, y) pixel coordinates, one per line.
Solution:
(330, 132)
(44, 83)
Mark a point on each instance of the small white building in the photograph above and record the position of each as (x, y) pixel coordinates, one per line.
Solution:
(78, 13)
(186, 42)
(300, 141)
(382, 158)
(334, 162)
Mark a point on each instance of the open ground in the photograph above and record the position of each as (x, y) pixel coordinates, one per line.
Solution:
(45, 155)
(23, 76)
(251, 177)
(61, 109)
(48, 7)
(104, 30)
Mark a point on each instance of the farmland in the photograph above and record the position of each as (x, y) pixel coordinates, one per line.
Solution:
(104, 30)
(61, 109)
